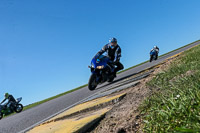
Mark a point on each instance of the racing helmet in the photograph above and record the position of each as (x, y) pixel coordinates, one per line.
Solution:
(113, 40)
(6, 95)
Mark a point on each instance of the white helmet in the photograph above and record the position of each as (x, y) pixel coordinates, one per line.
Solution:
(155, 47)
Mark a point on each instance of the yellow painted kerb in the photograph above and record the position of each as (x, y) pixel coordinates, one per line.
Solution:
(88, 104)
(68, 125)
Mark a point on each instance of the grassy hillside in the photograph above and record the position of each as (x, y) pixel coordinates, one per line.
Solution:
(174, 106)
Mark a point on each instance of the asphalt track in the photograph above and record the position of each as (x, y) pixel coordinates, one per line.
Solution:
(31, 117)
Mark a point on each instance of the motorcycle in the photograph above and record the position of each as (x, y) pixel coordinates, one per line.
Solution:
(14, 107)
(153, 55)
(102, 71)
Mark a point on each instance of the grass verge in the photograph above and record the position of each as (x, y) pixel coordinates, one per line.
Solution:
(175, 102)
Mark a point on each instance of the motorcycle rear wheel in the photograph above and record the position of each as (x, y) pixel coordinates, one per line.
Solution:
(92, 82)
(111, 79)
(19, 108)
(156, 58)
(1, 116)
(151, 58)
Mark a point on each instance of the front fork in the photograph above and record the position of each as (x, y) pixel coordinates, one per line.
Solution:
(98, 75)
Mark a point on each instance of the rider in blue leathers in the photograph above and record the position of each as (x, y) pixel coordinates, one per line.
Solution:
(113, 51)
(156, 49)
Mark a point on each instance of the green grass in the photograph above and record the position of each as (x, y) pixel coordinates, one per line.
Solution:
(174, 105)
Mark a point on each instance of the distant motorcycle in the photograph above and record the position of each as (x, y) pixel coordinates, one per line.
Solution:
(153, 55)
(16, 107)
(102, 71)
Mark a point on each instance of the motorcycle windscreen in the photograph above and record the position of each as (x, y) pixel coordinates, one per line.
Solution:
(104, 58)
(153, 53)
(19, 99)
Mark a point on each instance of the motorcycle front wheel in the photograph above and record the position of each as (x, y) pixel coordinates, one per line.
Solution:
(19, 108)
(92, 82)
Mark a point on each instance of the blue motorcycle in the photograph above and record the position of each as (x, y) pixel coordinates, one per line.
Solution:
(153, 55)
(102, 71)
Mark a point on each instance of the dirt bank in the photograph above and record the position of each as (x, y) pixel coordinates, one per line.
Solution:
(125, 116)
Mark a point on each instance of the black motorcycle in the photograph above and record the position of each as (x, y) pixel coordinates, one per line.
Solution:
(14, 107)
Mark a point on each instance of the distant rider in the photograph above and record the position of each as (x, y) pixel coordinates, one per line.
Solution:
(156, 49)
(11, 101)
(113, 51)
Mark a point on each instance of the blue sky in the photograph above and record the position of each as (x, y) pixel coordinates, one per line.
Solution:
(46, 45)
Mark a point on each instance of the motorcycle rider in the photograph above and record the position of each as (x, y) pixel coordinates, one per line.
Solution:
(11, 101)
(155, 48)
(113, 51)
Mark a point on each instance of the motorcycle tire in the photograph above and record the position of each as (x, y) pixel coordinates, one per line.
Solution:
(111, 79)
(91, 85)
(156, 57)
(1, 116)
(151, 58)
(16, 108)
